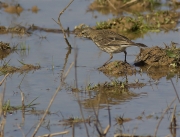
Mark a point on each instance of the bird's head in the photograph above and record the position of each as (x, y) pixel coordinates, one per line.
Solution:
(86, 32)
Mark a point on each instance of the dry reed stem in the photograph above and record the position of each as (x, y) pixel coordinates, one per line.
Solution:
(21, 130)
(96, 115)
(4, 79)
(54, 134)
(108, 126)
(23, 106)
(3, 119)
(173, 122)
(50, 103)
(128, 3)
(77, 94)
(65, 62)
(162, 116)
(111, 5)
(173, 118)
(102, 133)
(22, 80)
(59, 23)
(175, 90)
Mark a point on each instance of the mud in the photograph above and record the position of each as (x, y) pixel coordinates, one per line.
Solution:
(118, 68)
(4, 46)
(156, 56)
(25, 68)
(117, 7)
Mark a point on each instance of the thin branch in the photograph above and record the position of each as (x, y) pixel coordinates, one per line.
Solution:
(173, 119)
(3, 118)
(112, 5)
(96, 113)
(59, 23)
(4, 79)
(54, 134)
(77, 94)
(22, 80)
(50, 103)
(128, 3)
(23, 106)
(21, 130)
(108, 127)
(175, 90)
(65, 75)
(65, 62)
(162, 116)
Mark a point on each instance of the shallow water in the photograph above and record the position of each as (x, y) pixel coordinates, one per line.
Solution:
(50, 54)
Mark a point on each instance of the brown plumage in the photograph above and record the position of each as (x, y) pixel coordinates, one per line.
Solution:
(109, 41)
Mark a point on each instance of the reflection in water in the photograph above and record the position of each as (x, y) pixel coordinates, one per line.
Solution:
(158, 72)
(115, 92)
(65, 62)
(17, 9)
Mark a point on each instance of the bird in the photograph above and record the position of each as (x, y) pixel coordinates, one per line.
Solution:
(109, 41)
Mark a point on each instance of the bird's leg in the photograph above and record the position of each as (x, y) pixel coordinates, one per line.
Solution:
(125, 56)
(111, 56)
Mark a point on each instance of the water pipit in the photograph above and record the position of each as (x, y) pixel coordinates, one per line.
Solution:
(109, 41)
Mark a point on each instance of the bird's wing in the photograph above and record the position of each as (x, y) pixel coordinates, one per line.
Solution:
(109, 38)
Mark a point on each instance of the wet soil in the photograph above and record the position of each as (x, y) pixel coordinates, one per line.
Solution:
(25, 68)
(156, 56)
(117, 7)
(117, 69)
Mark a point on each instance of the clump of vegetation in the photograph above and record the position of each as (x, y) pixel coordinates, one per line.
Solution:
(116, 7)
(7, 107)
(74, 120)
(16, 30)
(120, 120)
(24, 68)
(173, 52)
(156, 56)
(160, 62)
(4, 46)
(141, 24)
(114, 86)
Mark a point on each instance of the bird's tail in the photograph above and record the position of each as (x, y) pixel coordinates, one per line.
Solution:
(141, 45)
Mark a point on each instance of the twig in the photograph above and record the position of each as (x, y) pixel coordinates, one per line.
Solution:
(175, 90)
(173, 118)
(162, 116)
(65, 75)
(50, 103)
(96, 115)
(21, 130)
(54, 134)
(108, 127)
(59, 23)
(111, 5)
(2, 99)
(65, 62)
(173, 123)
(23, 106)
(128, 3)
(4, 79)
(3, 118)
(77, 94)
(103, 133)
(22, 80)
